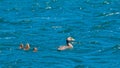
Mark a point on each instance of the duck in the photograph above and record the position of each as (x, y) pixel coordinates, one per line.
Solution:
(35, 49)
(21, 46)
(68, 44)
(27, 47)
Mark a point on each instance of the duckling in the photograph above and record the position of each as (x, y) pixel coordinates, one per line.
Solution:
(68, 44)
(35, 49)
(21, 46)
(27, 47)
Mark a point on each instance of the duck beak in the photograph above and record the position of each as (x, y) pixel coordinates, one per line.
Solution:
(73, 39)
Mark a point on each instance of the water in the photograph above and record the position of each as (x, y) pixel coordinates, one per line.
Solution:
(45, 24)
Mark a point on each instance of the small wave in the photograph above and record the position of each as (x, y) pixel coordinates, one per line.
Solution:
(21, 21)
(112, 50)
(48, 8)
(2, 20)
(12, 9)
(106, 2)
(56, 27)
(106, 25)
(68, 30)
(15, 22)
(8, 38)
(5, 31)
(110, 14)
(45, 18)
(116, 47)
(83, 66)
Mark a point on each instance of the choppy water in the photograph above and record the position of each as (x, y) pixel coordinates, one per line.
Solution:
(95, 24)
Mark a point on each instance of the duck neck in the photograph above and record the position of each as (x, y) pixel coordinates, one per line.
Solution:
(68, 43)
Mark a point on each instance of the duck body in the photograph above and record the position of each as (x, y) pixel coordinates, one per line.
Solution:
(65, 47)
(35, 49)
(27, 47)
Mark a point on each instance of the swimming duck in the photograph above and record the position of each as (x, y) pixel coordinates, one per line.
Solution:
(21, 46)
(68, 44)
(35, 49)
(27, 47)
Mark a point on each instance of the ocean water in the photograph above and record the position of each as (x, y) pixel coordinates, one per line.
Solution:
(45, 24)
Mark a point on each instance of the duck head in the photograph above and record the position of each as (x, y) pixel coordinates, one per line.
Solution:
(21, 46)
(70, 39)
(35, 49)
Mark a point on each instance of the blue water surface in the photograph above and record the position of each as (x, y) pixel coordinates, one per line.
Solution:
(45, 24)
